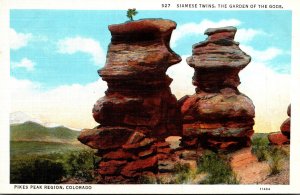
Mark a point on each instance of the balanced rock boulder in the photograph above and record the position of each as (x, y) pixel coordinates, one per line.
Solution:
(278, 138)
(282, 137)
(218, 116)
(286, 125)
(286, 128)
(138, 110)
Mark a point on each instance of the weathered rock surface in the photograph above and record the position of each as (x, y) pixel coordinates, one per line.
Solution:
(218, 116)
(227, 103)
(105, 137)
(119, 155)
(138, 110)
(289, 110)
(138, 91)
(111, 167)
(217, 60)
(132, 169)
(282, 137)
(278, 139)
(285, 128)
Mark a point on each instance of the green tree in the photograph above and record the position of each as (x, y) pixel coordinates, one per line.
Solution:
(131, 13)
(81, 164)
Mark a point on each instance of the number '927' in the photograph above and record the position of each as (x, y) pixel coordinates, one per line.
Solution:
(165, 5)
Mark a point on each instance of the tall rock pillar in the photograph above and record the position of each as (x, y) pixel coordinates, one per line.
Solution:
(138, 110)
(218, 116)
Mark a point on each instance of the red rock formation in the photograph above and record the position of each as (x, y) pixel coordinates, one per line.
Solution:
(278, 139)
(285, 128)
(138, 92)
(218, 116)
(138, 110)
(282, 137)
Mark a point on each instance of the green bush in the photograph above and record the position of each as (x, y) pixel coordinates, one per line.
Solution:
(275, 160)
(80, 164)
(260, 147)
(218, 170)
(183, 173)
(36, 170)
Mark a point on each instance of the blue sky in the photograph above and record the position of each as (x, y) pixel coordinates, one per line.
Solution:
(55, 55)
(53, 68)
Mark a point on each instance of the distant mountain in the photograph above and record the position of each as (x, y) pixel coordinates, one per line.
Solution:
(21, 117)
(31, 131)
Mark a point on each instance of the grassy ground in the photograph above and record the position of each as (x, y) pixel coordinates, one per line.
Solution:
(276, 156)
(217, 168)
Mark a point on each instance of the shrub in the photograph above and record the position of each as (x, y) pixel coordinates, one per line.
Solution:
(218, 170)
(260, 148)
(276, 157)
(183, 173)
(36, 170)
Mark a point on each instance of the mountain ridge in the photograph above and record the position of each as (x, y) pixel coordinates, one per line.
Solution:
(21, 117)
(31, 131)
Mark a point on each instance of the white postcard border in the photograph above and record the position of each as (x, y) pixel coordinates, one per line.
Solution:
(6, 5)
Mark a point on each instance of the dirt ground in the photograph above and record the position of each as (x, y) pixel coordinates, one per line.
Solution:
(250, 171)
(280, 178)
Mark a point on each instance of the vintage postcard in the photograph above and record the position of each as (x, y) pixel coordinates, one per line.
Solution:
(149, 96)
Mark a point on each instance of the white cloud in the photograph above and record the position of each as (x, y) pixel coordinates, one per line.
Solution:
(24, 63)
(182, 75)
(270, 93)
(262, 55)
(68, 105)
(18, 40)
(24, 87)
(245, 35)
(90, 46)
(199, 28)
